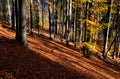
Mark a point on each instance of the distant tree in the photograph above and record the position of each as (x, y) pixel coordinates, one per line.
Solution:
(52, 8)
(68, 20)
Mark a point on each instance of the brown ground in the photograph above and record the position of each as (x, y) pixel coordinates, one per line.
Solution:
(48, 59)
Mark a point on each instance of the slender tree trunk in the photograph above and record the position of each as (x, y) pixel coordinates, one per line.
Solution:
(85, 50)
(107, 29)
(42, 17)
(1, 11)
(62, 20)
(9, 12)
(38, 19)
(119, 49)
(56, 29)
(76, 24)
(49, 10)
(31, 19)
(86, 23)
(4, 10)
(81, 25)
(13, 14)
(17, 20)
(115, 49)
(52, 21)
(118, 26)
(69, 19)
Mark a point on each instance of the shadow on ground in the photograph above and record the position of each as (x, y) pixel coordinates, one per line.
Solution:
(24, 63)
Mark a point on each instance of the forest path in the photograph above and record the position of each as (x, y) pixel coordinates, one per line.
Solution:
(48, 59)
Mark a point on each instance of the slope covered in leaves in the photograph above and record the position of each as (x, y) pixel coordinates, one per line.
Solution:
(46, 59)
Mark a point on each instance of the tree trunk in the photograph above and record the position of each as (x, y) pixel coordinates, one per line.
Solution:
(62, 20)
(13, 14)
(17, 20)
(42, 17)
(4, 10)
(76, 24)
(38, 19)
(9, 12)
(107, 29)
(69, 19)
(80, 39)
(86, 23)
(118, 26)
(22, 20)
(31, 19)
(52, 21)
(85, 50)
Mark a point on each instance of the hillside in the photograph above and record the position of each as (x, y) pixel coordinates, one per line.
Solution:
(46, 59)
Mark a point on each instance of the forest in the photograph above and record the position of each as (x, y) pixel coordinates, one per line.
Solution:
(59, 39)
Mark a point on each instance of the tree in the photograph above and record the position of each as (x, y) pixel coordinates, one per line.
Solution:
(9, 11)
(68, 20)
(21, 20)
(4, 10)
(31, 19)
(17, 20)
(52, 8)
(13, 14)
(107, 30)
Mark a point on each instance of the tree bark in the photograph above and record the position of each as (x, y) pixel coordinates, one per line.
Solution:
(22, 20)
(31, 19)
(13, 14)
(9, 12)
(17, 20)
(107, 30)
(69, 19)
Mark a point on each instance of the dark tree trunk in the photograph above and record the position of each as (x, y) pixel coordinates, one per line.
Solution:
(22, 20)
(52, 20)
(4, 10)
(13, 14)
(76, 24)
(55, 16)
(42, 17)
(80, 39)
(31, 19)
(86, 23)
(38, 26)
(68, 20)
(85, 50)
(62, 20)
(49, 19)
(17, 20)
(106, 31)
(118, 26)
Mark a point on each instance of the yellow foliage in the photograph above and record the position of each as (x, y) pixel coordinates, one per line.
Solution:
(91, 22)
(86, 0)
(98, 9)
(90, 46)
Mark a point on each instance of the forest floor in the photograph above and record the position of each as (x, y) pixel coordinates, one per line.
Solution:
(46, 59)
